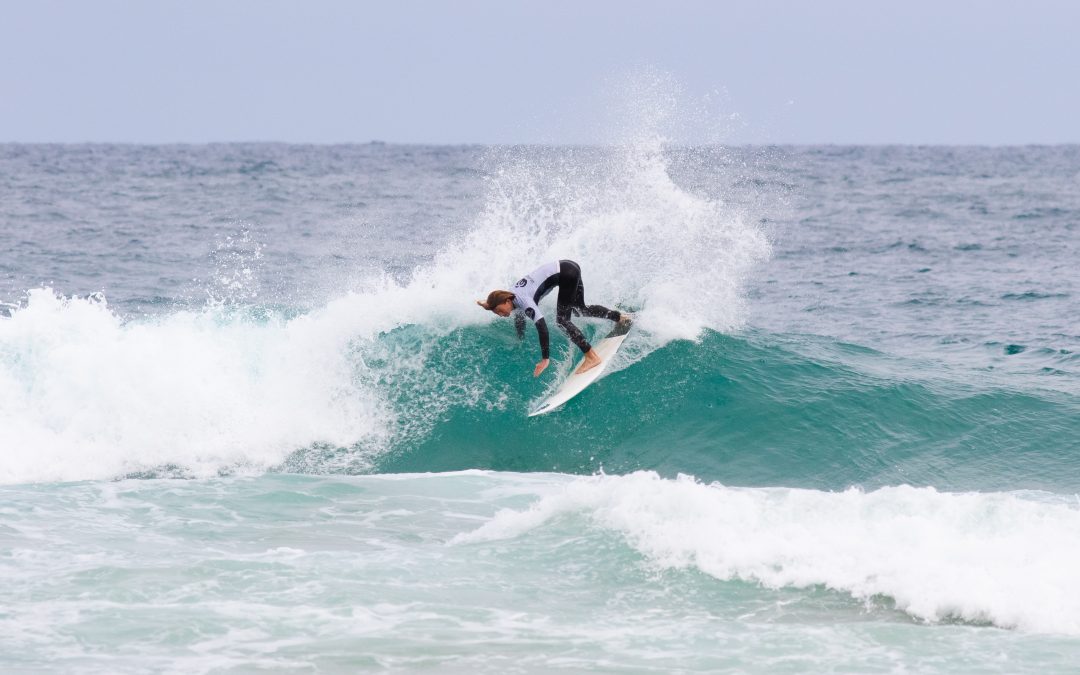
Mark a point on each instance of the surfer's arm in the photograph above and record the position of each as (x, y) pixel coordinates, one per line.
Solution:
(542, 333)
(519, 325)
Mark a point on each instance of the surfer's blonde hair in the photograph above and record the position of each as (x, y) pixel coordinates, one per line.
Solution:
(496, 298)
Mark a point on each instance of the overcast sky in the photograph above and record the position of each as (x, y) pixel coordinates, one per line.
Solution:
(500, 71)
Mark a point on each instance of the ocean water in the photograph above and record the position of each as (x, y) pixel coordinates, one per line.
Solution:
(251, 418)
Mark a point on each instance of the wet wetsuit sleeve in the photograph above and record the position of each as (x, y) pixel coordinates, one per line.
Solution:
(542, 333)
(519, 324)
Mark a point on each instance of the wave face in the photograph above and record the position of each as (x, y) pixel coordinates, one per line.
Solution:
(243, 384)
(762, 409)
(88, 395)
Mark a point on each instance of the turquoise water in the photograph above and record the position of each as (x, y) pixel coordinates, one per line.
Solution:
(250, 417)
(518, 572)
(759, 410)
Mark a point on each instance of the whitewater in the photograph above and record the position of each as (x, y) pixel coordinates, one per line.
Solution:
(251, 418)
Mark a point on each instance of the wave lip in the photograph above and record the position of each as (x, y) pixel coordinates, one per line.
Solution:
(1005, 559)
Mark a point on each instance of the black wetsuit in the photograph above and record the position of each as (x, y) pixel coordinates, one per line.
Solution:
(566, 275)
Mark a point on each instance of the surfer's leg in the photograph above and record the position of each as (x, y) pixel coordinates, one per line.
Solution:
(601, 312)
(570, 302)
(562, 318)
(572, 292)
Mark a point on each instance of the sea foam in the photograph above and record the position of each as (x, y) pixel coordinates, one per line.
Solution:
(1007, 559)
(88, 393)
(85, 394)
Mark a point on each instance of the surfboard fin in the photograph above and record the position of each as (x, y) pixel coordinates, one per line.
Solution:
(622, 326)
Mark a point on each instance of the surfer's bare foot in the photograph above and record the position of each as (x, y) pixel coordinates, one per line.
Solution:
(592, 360)
(626, 318)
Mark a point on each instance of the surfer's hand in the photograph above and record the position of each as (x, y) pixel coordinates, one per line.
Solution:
(540, 367)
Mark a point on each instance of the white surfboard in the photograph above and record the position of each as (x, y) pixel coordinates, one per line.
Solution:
(575, 384)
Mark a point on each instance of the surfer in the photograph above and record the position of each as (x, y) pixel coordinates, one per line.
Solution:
(524, 302)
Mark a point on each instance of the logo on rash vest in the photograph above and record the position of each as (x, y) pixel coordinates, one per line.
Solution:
(521, 283)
